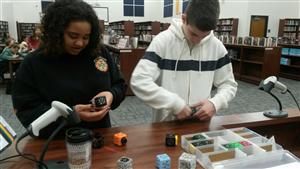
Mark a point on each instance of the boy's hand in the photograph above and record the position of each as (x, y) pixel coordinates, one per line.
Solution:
(184, 113)
(205, 110)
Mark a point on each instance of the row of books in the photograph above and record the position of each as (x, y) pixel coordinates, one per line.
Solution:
(249, 40)
(224, 33)
(290, 28)
(225, 21)
(289, 40)
(224, 28)
(290, 51)
(292, 22)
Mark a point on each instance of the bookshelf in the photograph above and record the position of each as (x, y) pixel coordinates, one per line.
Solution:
(145, 30)
(4, 33)
(123, 28)
(227, 26)
(252, 63)
(25, 29)
(290, 62)
(164, 26)
(289, 31)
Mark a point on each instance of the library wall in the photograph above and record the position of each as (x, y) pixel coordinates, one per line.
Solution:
(29, 11)
(275, 9)
(236, 9)
(151, 10)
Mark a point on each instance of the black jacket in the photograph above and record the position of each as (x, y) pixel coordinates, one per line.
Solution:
(69, 79)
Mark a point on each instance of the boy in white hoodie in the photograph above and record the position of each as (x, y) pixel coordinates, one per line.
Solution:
(181, 66)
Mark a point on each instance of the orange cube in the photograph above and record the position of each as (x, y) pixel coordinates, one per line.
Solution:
(120, 139)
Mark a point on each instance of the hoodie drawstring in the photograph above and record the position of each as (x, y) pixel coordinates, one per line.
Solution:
(199, 59)
(176, 65)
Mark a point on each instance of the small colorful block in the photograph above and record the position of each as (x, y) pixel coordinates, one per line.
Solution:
(171, 139)
(233, 145)
(245, 143)
(202, 143)
(198, 137)
(163, 161)
(187, 161)
(124, 163)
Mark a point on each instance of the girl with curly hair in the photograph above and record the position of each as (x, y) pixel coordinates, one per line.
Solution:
(71, 66)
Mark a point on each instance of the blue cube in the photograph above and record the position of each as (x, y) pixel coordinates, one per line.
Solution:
(163, 161)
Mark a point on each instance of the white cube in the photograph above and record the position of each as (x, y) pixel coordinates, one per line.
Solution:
(187, 161)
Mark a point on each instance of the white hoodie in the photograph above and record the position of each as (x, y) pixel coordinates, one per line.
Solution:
(171, 75)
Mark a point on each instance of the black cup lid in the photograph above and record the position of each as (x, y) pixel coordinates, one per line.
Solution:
(78, 135)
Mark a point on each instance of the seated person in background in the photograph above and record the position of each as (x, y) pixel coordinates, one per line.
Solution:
(73, 68)
(23, 51)
(8, 52)
(9, 42)
(181, 66)
(34, 41)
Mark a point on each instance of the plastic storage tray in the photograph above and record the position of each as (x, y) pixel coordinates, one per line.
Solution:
(235, 148)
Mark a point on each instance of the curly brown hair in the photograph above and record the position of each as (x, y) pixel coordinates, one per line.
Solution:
(58, 17)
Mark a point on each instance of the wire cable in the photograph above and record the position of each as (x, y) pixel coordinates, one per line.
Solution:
(25, 156)
(294, 98)
(45, 148)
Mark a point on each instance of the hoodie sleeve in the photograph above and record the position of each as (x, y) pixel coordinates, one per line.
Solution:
(225, 83)
(144, 77)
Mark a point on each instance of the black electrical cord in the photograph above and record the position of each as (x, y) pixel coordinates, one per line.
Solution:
(14, 156)
(45, 148)
(294, 98)
(25, 155)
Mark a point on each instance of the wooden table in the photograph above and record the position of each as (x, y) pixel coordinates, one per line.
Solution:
(11, 62)
(147, 140)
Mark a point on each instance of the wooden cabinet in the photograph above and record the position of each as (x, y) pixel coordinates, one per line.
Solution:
(289, 31)
(253, 64)
(290, 62)
(126, 59)
(123, 28)
(227, 27)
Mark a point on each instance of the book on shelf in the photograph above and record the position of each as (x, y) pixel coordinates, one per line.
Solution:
(285, 51)
(225, 39)
(294, 52)
(255, 41)
(262, 41)
(248, 40)
(272, 41)
(285, 61)
(240, 40)
(123, 43)
(232, 40)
